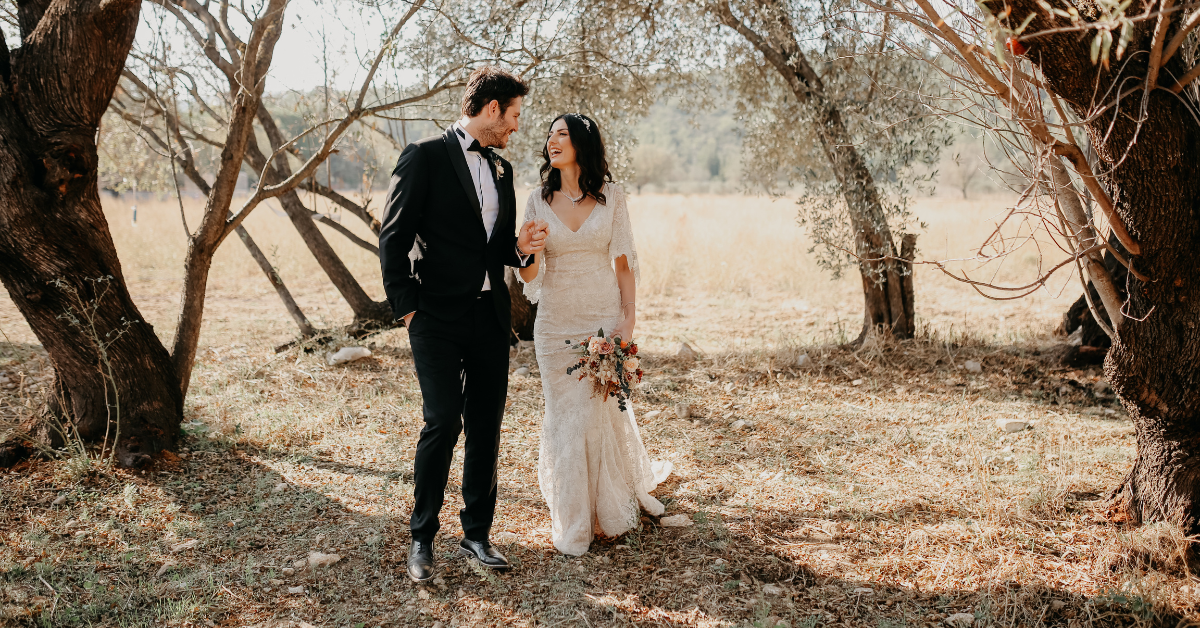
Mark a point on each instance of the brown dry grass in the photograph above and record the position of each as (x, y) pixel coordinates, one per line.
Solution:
(872, 489)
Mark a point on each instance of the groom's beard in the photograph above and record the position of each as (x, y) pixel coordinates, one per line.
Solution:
(494, 136)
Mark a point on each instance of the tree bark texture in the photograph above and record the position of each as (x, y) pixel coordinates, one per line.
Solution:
(1150, 168)
(57, 258)
(887, 277)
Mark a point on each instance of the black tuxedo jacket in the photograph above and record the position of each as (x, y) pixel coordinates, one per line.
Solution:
(432, 202)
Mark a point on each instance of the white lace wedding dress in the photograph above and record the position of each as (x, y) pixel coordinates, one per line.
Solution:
(592, 467)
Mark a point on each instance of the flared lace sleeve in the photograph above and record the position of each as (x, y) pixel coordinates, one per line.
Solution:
(533, 289)
(622, 231)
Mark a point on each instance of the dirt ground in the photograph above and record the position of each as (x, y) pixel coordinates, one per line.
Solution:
(821, 486)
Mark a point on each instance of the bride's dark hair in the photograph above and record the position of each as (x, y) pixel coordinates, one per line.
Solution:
(589, 154)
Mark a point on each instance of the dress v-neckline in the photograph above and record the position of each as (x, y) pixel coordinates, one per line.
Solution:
(581, 225)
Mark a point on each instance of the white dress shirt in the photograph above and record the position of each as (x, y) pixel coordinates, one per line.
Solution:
(485, 187)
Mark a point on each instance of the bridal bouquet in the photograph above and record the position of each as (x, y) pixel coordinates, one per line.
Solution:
(611, 363)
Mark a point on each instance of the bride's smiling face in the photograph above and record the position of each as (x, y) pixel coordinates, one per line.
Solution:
(558, 145)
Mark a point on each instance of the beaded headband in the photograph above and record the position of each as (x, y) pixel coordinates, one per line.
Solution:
(587, 124)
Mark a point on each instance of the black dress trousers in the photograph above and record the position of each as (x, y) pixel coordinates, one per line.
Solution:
(462, 366)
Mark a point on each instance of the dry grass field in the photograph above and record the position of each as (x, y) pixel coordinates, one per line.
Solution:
(864, 488)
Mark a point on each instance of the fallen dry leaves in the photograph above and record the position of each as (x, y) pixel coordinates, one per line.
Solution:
(813, 500)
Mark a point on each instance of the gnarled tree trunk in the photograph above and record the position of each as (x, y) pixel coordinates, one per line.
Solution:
(1150, 166)
(57, 258)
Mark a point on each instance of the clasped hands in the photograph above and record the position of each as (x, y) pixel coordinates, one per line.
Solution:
(532, 238)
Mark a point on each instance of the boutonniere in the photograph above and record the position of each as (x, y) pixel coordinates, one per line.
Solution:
(499, 166)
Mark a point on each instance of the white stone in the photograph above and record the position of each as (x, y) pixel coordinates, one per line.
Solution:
(318, 559)
(772, 589)
(738, 424)
(505, 537)
(521, 372)
(288, 571)
(857, 382)
(347, 354)
(296, 590)
(282, 486)
(186, 545)
(804, 362)
(652, 414)
(676, 521)
(973, 366)
(59, 501)
(685, 351)
(864, 591)
(1011, 425)
(961, 620)
(683, 410)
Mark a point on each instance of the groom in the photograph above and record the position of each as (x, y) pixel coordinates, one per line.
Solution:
(453, 198)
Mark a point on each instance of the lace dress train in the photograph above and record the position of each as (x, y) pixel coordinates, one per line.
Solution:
(593, 469)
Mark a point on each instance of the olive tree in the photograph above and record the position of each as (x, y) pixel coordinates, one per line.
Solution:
(1098, 102)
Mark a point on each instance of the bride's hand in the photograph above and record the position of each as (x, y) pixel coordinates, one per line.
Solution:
(624, 330)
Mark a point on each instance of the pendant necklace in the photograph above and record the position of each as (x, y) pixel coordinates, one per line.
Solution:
(574, 201)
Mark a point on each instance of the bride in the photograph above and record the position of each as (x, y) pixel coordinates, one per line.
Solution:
(592, 467)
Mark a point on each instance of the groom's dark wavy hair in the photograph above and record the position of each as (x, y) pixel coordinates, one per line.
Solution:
(589, 154)
(491, 83)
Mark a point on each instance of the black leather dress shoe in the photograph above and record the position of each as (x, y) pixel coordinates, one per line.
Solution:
(484, 553)
(420, 561)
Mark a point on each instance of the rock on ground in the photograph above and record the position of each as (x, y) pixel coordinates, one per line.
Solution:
(1011, 425)
(317, 559)
(676, 521)
(347, 354)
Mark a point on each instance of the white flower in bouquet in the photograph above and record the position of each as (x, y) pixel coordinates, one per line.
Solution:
(631, 364)
(594, 345)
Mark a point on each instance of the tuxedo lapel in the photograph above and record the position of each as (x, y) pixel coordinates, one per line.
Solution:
(504, 190)
(464, 175)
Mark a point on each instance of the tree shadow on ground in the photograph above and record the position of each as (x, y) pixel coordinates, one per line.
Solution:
(221, 539)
